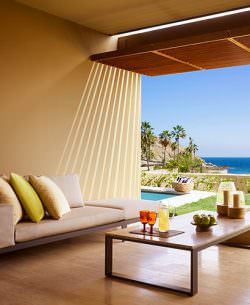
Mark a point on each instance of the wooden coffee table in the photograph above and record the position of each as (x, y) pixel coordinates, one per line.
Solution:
(190, 240)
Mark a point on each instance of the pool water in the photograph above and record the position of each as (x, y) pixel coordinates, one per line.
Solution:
(156, 196)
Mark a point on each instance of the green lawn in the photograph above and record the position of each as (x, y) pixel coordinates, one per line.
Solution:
(203, 204)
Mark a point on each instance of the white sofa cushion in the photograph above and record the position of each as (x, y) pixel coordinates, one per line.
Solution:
(78, 218)
(51, 195)
(70, 186)
(131, 207)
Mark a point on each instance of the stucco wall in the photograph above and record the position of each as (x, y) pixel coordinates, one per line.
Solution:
(61, 113)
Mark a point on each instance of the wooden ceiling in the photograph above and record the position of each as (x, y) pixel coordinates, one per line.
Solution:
(112, 16)
(210, 44)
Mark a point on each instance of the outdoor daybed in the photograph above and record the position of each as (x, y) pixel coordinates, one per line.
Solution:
(82, 218)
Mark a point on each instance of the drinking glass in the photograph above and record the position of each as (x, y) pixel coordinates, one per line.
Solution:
(172, 211)
(151, 220)
(163, 221)
(144, 219)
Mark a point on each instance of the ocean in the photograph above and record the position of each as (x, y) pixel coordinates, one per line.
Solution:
(236, 165)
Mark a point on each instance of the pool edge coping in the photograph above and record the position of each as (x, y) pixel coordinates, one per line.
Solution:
(185, 198)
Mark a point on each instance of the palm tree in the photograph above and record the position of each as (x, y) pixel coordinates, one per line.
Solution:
(147, 140)
(145, 126)
(189, 149)
(165, 137)
(174, 147)
(178, 133)
(195, 149)
(192, 147)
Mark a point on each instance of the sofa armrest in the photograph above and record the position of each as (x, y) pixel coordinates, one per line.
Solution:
(7, 229)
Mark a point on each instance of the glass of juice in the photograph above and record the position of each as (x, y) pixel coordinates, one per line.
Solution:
(163, 217)
(152, 216)
(144, 219)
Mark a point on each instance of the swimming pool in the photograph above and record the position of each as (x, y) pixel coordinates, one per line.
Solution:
(156, 196)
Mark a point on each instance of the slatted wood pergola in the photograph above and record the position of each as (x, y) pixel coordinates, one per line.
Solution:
(213, 43)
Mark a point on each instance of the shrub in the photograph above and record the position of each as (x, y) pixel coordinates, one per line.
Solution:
(201, 182)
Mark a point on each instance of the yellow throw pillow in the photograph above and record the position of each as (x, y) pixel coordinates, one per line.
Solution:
(52, 197)
(7, 195)
(28, 197)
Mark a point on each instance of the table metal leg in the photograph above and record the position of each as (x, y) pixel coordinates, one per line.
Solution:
(108, 255)
(194, 272)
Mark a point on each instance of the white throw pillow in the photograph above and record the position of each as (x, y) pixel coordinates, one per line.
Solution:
(51, 196)
(7, 195)
(70, 186)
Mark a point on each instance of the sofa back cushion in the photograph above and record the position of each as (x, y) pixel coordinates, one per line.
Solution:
(52, 197)
(28, 197)
(70, 186)
(7, 195)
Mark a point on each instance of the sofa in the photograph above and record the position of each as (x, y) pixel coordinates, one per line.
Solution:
(90, 217)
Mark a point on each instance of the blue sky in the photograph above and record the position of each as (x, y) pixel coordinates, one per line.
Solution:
(212, 105)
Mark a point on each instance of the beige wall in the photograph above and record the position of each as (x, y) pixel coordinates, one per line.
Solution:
(59, 112)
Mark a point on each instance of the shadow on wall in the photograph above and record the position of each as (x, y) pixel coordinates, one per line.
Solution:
(103, 143)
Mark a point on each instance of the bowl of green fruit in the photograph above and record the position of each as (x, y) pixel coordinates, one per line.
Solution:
(203, 222)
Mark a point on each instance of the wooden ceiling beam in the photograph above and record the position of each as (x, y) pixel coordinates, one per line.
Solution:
(177, 60)
(239, 44)
(211, 44)
(183, 42)
(209, 26)
(196, 33)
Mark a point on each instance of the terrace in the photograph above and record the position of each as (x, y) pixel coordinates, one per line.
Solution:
(71, 103)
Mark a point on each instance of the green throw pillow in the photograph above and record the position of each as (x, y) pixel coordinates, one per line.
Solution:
(28, 197)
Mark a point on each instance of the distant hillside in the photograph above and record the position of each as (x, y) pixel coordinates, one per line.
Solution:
(158, 151)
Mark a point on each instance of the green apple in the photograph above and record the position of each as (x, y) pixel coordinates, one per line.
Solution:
(205, 220)
(212, 220)
(197, 218)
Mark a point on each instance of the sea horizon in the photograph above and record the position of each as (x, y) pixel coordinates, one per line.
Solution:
(224, 157)
(236, 165)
